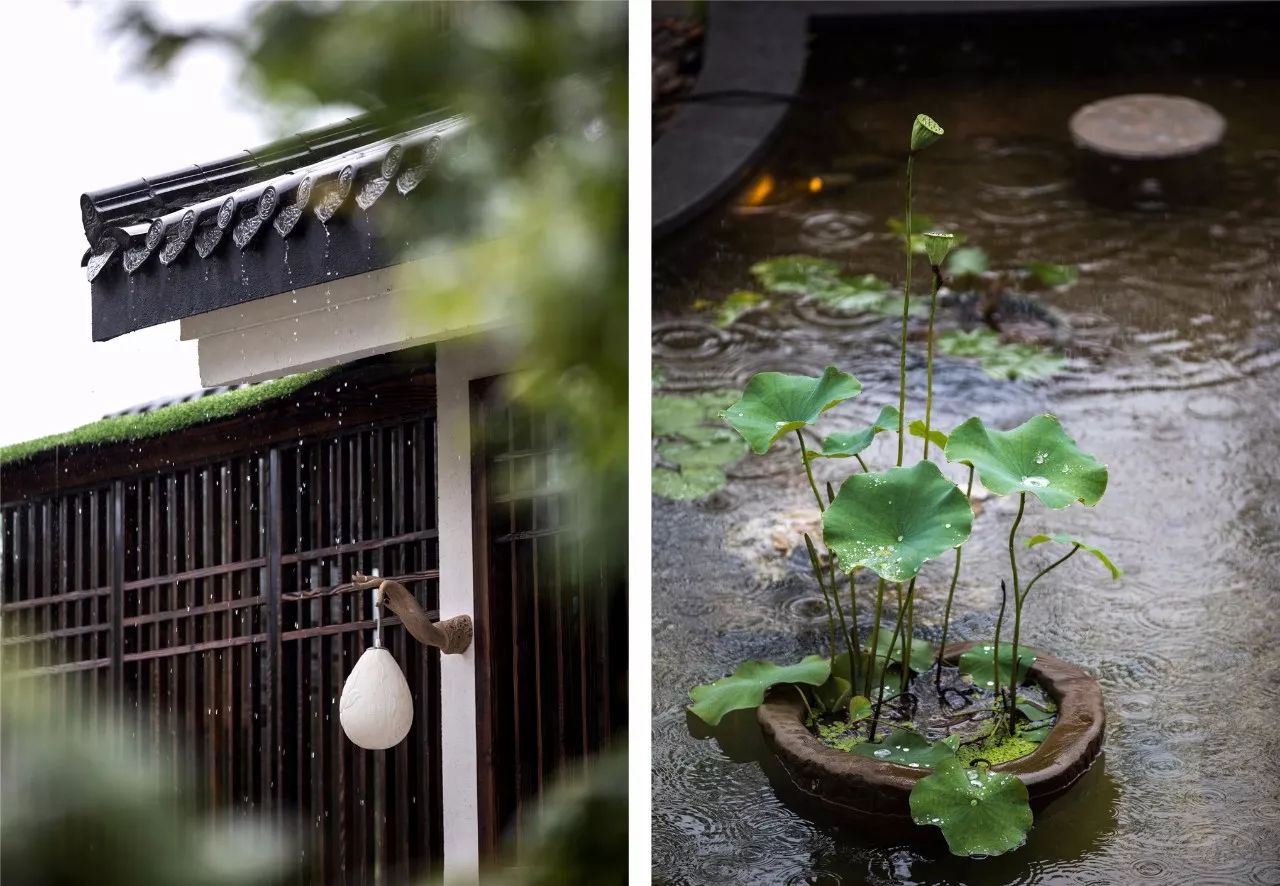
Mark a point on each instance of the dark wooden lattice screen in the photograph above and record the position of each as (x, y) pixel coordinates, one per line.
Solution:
(551, 651)
(199, 596)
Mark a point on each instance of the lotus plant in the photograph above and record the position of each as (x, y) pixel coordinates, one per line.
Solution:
(889, 523)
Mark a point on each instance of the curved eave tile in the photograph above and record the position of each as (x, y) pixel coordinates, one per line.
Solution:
(333, 193)
(212, 231)
(427, 155)
(290, 215)
(254, 217)
(375, 187)
(135, 256)
(111, 243)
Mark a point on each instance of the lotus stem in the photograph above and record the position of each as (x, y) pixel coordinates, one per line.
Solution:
(1054, 565)
(865, 469)
(856, 650)
(906, 304)
(817, 573)
(995, 650)
(875, 636)
(904, 604)
(951, 592)
(1017, 592)
(928, 395)
(908, 635)
(808, 470)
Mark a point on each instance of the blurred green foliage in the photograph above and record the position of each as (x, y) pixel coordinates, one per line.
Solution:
(80, 804)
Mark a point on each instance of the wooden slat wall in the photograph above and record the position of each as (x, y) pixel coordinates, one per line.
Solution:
(185, 593)
(551, 643)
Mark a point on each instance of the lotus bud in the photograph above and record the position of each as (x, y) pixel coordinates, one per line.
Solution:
(937, 245)
(925, 132)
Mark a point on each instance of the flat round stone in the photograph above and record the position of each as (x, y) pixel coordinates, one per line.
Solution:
(1147, 127)
(1148, 151)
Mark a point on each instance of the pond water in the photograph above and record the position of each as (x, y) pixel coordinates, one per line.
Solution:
(1172, 379)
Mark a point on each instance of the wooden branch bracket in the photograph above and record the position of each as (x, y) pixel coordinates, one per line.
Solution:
(452, 636)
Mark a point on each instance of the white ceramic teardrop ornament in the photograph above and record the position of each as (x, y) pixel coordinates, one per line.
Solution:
(376, 708)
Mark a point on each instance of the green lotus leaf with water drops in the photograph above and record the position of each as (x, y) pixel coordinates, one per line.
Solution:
(893, 521)
(851, 443)
(746, 687)
(1037, 457)
(775, 403)
(978, 665)
(980, 812)
(911, 749)
(1064, 539)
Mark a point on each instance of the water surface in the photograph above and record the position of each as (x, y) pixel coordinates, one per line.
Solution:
(1172, 380)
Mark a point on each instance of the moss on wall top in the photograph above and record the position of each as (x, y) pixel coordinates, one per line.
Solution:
(122, 428)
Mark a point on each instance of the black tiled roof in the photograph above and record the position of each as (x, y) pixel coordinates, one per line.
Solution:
(270, 189)
(296, 213)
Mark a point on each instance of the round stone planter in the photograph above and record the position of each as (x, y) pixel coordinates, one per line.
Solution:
(850, 788)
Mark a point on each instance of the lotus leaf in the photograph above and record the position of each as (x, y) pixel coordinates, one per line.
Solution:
(1063, 539)
(979, 812)
(748, 684)
(893, 521)
(775, 403)
(1036, 457)
(851, 443)
(910, 749)
(977, 663)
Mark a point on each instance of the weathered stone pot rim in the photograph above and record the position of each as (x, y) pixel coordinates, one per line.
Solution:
(853, 786)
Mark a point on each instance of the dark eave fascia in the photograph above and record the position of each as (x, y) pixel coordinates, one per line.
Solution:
(227, 247)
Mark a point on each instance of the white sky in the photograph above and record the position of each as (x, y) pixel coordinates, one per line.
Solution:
(77, 120)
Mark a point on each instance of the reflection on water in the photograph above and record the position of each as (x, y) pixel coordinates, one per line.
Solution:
(1172, 380)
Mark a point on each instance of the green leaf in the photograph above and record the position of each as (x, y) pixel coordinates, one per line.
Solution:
(978, 665)
(1022, 362)
(1003, 362)
(686, 484)
(798, 274)
(853, 294)
(936, 437)
(893, 521)
(714, 452)
(969, 343)
(979, 812)
(860, 708)
(1036, 457)
(919, 225)
(922, 652)
(694, 417)
(911, 749)
(736, 304)
(774, 404)
(746, 687)
(1048, 274)
(851, 443)
(1036, 734)
(832, 694)
(1033, 713)
(1064, 539)
(967, 260)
